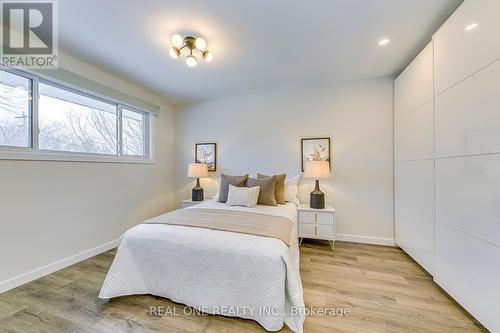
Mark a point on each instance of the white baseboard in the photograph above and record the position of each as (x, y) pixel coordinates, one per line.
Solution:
(365, 239)
(53, 267)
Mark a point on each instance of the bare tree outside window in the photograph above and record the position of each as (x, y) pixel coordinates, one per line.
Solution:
(72, 122)
(15, 96)
(67, 126)
(132, 133)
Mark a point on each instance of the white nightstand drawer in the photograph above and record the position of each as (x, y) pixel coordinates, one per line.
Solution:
(324, 231)
(324, 218)
(307, 217)
(307, 230)
(314, 217)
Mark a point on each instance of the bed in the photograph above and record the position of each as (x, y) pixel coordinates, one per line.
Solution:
(218, 272)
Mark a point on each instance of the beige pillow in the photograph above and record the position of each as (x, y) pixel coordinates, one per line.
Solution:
(267, 189)
(279, 191)
(225, 180)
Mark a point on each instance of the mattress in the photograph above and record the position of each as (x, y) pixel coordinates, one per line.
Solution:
(217, 272)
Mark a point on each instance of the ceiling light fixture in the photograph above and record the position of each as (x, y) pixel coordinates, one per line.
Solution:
(191, 44)
(384, 41)
(471, 26)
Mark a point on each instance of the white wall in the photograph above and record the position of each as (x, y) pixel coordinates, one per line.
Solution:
(50, 211)
(262, 133)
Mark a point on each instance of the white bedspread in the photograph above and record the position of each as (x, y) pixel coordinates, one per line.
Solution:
(237, 274)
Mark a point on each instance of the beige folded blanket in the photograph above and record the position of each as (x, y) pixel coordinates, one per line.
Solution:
(228, 220)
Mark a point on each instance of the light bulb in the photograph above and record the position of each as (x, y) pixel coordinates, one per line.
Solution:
(207, 55)
(177, 41)
(200, 44)
(191, 61)
(174, 52)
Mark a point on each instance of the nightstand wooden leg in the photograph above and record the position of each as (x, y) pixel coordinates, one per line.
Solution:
(300, 241)
(332, 244)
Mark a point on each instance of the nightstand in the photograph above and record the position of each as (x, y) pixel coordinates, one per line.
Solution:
(317, 223)
(189, 202)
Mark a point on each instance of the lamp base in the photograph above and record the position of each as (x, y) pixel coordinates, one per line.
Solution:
(197, 192)
(317, 198)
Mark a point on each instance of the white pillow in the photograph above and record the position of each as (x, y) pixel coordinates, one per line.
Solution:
(242, 196)
(291, 189)
(217, 184)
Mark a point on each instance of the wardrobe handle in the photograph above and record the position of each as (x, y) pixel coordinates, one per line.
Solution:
(315, 217)
(315, 231)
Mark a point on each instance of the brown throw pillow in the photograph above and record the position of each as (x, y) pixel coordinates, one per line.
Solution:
(225, 180)
(267, 188)
(279, 191)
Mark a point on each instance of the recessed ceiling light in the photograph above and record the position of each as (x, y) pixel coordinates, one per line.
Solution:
(384, 41)
(471, 26)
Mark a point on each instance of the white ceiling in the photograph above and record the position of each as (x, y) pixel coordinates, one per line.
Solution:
(258, 45)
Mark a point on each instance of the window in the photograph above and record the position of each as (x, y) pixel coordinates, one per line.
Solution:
(72, 122)
(15, 110)
(133, 133)
(67, 120)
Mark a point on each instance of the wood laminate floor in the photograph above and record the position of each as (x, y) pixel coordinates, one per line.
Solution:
(381, 288)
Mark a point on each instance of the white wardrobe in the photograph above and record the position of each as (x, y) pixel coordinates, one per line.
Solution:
(447, 159)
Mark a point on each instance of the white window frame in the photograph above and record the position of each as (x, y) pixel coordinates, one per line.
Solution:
(34, 153)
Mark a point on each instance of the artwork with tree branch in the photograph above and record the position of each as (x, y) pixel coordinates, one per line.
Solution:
(315, 149)
(206, 153)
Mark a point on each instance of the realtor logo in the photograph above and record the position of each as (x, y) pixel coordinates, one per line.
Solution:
(29, 34)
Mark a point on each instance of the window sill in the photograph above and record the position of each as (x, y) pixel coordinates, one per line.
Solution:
(56, 156)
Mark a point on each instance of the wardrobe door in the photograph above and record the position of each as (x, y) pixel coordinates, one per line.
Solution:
(414, 159)
(467, 166)
(466, 42)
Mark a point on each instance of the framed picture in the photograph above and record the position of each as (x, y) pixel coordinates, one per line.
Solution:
(206, 153)
(315, 149)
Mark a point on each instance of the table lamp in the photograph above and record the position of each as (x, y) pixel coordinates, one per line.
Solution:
(197, 170)
(317, 170)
